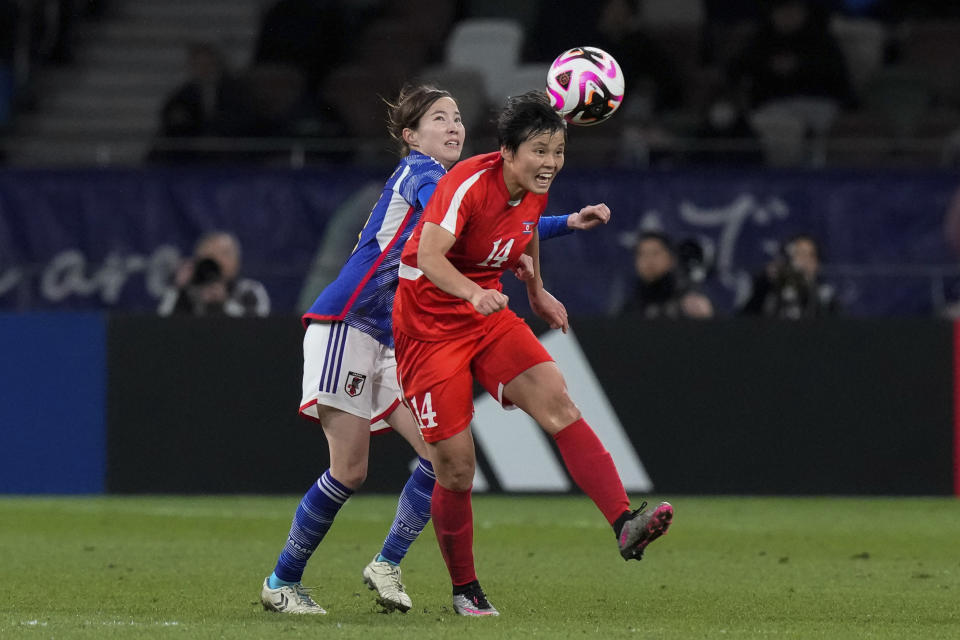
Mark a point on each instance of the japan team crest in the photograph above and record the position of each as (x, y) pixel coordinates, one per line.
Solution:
(354, 384)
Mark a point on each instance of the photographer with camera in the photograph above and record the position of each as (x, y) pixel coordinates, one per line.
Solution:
(666, 279)
(208, 284)
(791, 287)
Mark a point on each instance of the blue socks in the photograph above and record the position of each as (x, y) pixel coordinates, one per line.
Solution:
(311, 522)
(275, 583)
(320, 505)
(413, 513)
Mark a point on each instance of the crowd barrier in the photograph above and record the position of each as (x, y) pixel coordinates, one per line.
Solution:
(134, 404)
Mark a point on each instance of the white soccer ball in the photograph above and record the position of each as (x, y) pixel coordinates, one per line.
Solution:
(585, 85)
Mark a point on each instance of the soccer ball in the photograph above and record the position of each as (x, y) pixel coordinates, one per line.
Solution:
(585, 85)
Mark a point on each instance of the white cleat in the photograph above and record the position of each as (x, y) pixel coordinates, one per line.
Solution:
(384, 578)
(294, 598)
(473, 602)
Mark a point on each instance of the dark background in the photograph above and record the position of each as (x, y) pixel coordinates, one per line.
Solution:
(726, 407)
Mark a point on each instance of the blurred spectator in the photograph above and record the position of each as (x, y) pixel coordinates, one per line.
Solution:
(209, 283)
(727, 23)
(792, 55)
(791, 286)
(664, 289)
(277, 102)
(648, 69)
(556, 28)
(725, 135)
(208, 103)
(200, 106)
(313, 36)
(652, 78)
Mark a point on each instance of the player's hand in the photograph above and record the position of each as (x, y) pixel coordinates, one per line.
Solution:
(549, 309)
(524, 268)
(488, 301)
(589, 217)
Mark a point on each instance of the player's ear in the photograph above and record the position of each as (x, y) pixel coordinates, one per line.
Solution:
(409, 136)
(506, 154)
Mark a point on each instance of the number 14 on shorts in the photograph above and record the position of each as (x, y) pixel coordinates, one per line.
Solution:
(424, 411)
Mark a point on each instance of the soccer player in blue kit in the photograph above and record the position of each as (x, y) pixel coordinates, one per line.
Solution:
(349, 374)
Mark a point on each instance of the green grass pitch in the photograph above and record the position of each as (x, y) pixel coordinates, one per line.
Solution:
(173, 567)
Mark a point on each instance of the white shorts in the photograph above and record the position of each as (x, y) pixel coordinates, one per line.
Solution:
(347, 369)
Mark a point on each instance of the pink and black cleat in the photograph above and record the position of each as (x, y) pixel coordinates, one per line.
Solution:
(643, 528)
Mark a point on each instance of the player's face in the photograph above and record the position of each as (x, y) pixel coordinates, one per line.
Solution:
(439, 133)
(534, 165)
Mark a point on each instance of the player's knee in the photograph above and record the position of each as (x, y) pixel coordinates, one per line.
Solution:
(457, 476)
(352, 475)
(560, 411)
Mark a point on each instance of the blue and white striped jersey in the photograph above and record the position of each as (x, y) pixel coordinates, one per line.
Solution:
(362, 295)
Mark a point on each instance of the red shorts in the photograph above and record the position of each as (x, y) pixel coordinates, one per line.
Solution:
(436, 378)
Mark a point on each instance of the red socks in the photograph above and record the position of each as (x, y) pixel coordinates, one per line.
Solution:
(592, 469)
(453, 523)
(589, 464)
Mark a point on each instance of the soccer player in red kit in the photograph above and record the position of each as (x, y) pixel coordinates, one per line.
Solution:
(452, 326)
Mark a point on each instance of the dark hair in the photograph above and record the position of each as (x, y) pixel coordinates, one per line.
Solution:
(526, 116)
(800, 237)
(410, 106)
(660, 237)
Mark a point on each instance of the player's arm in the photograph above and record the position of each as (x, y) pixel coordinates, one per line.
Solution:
(424, 193)
(542, 302)
(587, 218)
(435, 241)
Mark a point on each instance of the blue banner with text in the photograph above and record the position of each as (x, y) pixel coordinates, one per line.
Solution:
(111, 239)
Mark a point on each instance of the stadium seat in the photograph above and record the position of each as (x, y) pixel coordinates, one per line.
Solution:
(524, 78)
(433, 19)
(386, 47)
(862, 42)
(782, 134)
(934, 46)
(857, 138)
(488, 45)
(524, 12)
(902, 95)
(682, 43)
(724, 42)
(467, 87)
(816, 115)
(353, 91)
(672, 12)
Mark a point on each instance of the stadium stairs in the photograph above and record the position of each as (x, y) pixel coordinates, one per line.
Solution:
(103, 107)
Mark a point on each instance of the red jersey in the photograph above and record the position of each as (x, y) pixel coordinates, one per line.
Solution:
(472, 203)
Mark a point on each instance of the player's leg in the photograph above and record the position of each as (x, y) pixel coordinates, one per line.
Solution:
(413, 510)
(438, 389)
(455, 464)
(348, 438)
(337, 361)
(413, 513)
(541, 392)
